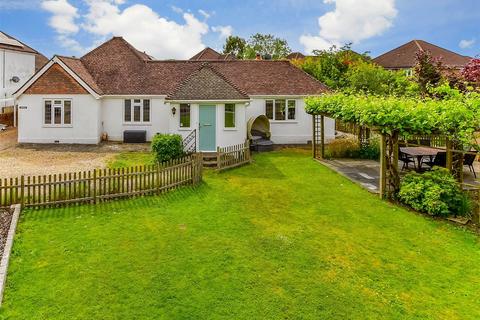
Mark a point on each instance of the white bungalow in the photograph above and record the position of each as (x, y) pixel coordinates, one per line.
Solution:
(118, 93)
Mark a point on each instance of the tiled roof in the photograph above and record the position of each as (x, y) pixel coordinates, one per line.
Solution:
(77, 66)
(404, 56)
(116, 68)
(296, 55)
(207, 84)
(208, 54)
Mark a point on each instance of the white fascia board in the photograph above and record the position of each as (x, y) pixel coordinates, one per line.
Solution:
(209, 101)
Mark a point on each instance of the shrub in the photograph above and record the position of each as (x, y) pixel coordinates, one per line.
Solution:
(167, 146)
(370, 151)
(342, 148)
(435, 192)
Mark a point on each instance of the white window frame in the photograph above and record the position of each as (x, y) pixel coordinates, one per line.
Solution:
(180, 116)
(234, 116)
(52, 123)
(132, 112)
(286, 110)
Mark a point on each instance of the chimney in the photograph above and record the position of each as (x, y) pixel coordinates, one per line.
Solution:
(258, 56)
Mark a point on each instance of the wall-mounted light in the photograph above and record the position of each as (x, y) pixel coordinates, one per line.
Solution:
(174, 110)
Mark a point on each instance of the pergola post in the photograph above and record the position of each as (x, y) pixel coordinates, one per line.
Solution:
(322, 136)
(383, 166)
(449, 163)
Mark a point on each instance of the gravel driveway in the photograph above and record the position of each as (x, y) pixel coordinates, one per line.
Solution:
(46, 159)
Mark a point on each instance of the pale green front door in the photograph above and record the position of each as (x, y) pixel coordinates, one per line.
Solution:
(207, 134)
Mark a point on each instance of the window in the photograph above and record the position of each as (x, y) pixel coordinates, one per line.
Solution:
(57, 112)
(146, 110)
(136, 111)
(230, 115)
(280, 109)
(269, 109)
(184, 115)
(408, 72)
(291, 109)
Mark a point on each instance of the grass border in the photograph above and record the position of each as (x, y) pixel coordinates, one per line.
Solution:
(8, 249)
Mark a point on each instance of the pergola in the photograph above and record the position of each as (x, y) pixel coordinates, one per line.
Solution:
(447, 124)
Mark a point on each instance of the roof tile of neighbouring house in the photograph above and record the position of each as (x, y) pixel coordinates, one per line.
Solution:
(296, 55)
(116, 68)
(208, 54)
(404, 56)
(207, 83)
(10, 43)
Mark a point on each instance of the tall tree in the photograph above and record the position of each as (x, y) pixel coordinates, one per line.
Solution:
(236, 46)
(268, 46)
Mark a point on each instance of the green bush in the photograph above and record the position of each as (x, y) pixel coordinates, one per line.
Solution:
(435, 192)
(350, 148)
(167, 146)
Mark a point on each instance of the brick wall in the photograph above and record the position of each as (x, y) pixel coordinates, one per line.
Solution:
(56, 81)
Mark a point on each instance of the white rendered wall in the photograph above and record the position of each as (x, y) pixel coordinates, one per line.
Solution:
(224, 136)
(14, 63)
(298, 131)
(83, 130)
(112, 119)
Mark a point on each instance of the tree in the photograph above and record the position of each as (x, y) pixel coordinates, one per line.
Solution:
(267, 46)
(331, 66)
(366, 77)
(236, 46)
(471, 72)
(427, 71)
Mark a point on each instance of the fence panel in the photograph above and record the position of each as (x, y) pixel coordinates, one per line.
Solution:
(233, 156)
(100, 184)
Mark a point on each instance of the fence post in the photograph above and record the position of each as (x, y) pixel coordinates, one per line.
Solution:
(218, 158)
(22, 191)
(249, 155)
(94, 186)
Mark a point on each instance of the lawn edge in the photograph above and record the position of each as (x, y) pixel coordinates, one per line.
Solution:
(8, 249)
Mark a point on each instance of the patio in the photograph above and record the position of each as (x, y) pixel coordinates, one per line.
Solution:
(367, 172)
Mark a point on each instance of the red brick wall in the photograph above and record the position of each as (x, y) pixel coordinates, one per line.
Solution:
(56, 81)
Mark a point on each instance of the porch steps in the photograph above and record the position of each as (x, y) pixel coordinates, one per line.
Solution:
(209, 159)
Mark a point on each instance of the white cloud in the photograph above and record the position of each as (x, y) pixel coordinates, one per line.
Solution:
(224, 31)
(142, 27)
(64, 15)
(465, 44)
(351, 21)
(176, 9)
(204, 13)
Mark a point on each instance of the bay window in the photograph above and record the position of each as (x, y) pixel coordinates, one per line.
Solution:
(57, 112)
(280, 109)
(136, 111)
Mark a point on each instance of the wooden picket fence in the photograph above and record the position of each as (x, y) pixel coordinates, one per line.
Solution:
(101, 184)
(233, 156)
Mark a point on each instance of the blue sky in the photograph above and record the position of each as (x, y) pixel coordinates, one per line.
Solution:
(176, 29)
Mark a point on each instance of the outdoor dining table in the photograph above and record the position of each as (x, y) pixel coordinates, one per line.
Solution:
(419, 153)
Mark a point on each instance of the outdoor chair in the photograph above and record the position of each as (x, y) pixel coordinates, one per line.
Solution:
(440, 160)
(405, 159)
(468, 160)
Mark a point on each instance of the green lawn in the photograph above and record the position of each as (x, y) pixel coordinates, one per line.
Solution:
(130, 159)
(283, 238)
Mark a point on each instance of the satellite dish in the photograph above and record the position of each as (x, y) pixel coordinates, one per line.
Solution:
(15, 79)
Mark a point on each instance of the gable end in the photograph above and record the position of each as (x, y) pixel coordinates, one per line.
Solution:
(55, 81)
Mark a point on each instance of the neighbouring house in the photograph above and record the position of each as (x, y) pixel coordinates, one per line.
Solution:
(296, 56)
(115, 89)
(18, 62)
(403, 57)
(210, 54)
